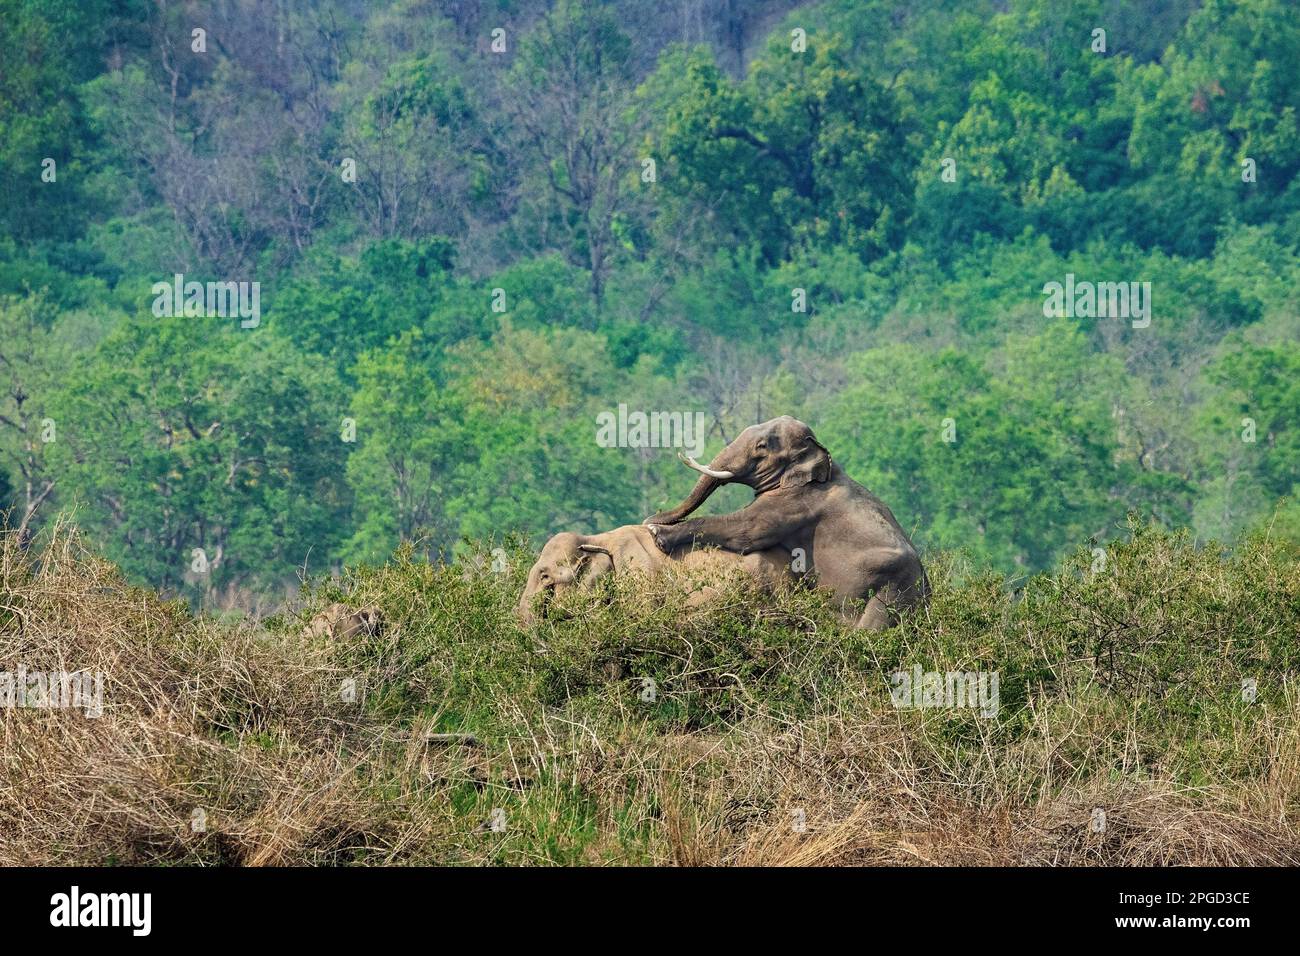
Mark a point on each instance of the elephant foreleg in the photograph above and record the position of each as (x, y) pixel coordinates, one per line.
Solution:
(888, 602)
(758, 527)
(877, 616)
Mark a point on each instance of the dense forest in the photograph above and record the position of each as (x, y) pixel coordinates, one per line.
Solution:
(477, 226)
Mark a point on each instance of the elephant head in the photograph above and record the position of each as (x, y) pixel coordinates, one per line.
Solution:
(567, 561)
(781, 453)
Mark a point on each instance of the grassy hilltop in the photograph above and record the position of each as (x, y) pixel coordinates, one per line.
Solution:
(1120, 689)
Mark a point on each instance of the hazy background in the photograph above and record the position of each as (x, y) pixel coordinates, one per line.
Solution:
(525, 171)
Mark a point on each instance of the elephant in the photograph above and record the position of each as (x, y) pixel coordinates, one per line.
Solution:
(571, 560)
(803, 500)
(343, 623)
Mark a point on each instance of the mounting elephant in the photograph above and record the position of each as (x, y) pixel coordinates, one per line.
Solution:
(803, 500)
(579, 560)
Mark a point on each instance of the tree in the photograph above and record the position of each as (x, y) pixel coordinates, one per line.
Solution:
(529, 401)
(571, 100)
(6, 493)
(32, 356)
(341, 306)
(45, 143)
(1227, 92)
(410, 438)
(804, 152)
(419, 147)
(1251, 440)
(181, 438)
(1015, 464)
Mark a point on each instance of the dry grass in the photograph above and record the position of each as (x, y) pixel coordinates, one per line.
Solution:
(232, 721)
(771, 739)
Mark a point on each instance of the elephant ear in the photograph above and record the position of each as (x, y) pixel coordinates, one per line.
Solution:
(628, 548)
(813, 464)
(596, 562)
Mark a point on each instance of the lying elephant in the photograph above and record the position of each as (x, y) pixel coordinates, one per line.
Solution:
(342, 623)
(576, 560)
(803, 500)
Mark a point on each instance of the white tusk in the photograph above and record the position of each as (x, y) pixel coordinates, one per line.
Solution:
(692, 463)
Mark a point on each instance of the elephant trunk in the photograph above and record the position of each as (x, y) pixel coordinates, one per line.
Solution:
(718, 472)
(706, 486)
(524, 611)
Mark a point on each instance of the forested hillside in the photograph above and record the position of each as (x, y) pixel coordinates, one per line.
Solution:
(476, 226)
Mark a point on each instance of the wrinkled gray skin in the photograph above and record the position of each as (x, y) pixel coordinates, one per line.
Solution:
(802, 499)
(579, 560)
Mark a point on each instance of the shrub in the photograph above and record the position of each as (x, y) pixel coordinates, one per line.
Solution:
(628, 728)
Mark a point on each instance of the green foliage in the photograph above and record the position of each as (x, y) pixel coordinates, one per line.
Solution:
(409, 438)
(178, 435)
(1178, 641)
(1263, 384)
(527, 400)
(42, 120)
(348, 306)
(1037, 413)
(804, 152)
(503, 268)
